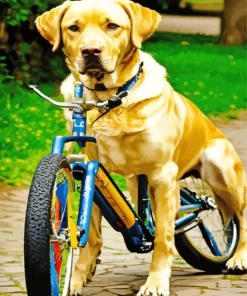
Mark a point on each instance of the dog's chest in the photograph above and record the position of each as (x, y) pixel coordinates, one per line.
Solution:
(111, 154)
(129, 154)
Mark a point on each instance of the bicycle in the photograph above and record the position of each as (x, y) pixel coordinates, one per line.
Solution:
(51, 233)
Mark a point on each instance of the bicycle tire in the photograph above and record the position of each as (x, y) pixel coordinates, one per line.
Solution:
(37, 244)
(198, 259)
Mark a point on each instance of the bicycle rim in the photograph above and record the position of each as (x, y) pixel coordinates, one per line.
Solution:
(226, 238)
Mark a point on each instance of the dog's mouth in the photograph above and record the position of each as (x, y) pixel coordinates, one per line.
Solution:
(94, 67)
(99, 75)
(92, 64)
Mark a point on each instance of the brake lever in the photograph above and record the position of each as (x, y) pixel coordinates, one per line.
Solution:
(116, 100)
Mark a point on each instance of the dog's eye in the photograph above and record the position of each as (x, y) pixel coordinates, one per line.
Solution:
(112, 26)
(74, 28)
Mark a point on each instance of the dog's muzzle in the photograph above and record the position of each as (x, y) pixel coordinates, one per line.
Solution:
(91, 56)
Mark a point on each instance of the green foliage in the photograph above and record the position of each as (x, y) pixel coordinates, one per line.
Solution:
(4, 76)
(20, 10)
(211, 76)
(25, 50)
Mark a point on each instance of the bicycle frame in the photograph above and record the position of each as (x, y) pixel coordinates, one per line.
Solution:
(97, 186)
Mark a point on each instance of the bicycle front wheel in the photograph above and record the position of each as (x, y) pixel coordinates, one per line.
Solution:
(48, 254)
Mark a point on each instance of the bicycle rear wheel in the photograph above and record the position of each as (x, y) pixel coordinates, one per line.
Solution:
(48, 254)
(208, 245)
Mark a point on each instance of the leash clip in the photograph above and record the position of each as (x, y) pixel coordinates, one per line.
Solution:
(116, 100)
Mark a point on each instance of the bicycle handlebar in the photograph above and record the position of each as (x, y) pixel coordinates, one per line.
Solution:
(83, 104)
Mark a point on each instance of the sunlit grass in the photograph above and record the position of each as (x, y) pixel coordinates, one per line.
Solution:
(28, 125)
(212, 76)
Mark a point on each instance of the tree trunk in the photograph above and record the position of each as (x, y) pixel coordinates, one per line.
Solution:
(234, 23)
(3, 27)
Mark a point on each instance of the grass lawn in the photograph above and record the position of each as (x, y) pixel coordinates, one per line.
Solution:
(212, 76)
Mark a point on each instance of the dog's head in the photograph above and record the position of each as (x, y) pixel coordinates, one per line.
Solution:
(96, 35)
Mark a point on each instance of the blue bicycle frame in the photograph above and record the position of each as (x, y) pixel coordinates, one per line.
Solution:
(139, 236)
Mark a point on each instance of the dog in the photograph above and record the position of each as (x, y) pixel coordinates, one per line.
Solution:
(156, 131)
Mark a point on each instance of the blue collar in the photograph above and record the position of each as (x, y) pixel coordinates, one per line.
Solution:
(130, 83)
(126, 87)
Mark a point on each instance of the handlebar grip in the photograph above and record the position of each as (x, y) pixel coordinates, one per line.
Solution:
(32, 86)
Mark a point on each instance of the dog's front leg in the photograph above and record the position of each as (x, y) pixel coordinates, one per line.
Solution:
(86, 263)
(165, 191)
(132, 185)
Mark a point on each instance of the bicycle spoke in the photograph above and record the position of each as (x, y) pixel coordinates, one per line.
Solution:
(209, 239)
(210, 236)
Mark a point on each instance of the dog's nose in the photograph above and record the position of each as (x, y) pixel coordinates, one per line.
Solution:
(91, 50)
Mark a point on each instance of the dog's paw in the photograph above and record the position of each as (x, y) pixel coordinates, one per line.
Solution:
(79, 278)
(77, 283)
(238, 261)
(152, 290)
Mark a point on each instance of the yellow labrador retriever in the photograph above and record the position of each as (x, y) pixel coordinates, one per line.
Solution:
(150, 133)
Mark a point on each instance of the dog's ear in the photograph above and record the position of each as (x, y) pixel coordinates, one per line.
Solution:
(144, 21)
(48, 24)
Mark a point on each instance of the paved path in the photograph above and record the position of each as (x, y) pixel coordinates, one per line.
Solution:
(205, 25)
(120, 273)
